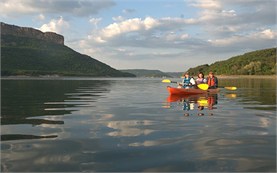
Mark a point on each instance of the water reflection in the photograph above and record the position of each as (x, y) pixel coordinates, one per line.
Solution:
(41, 156)
(129, 128)
(20, 136)
(43, 103)
(119, 126)
(254, 93)
(192, 103)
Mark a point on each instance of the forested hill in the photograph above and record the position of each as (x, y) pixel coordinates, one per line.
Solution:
(27, 51)
(260, 62)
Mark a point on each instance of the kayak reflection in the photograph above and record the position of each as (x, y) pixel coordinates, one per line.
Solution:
(193, 103)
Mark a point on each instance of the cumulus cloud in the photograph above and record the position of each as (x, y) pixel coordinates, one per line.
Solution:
(217, 28)
(123, 27)
(77, 8)
(55, 25)
(95, 22)
(223, 30)
(40, 17)
(242, 42)
(268, 34)
(139, 41)
(118, 18)
(206, 4)
(138, 30)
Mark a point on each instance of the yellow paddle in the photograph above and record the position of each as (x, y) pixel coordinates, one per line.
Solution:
(203, 86)
(206, 86)
(168, 81)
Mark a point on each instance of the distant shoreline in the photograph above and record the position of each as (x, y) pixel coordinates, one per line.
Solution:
(65, 77)
(246, 76)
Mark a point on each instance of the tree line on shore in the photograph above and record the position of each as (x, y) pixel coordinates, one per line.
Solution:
(260, 62)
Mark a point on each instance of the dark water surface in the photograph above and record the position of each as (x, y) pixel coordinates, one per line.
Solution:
(82, 124)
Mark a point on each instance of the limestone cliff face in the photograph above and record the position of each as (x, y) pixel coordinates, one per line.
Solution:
(7, 29)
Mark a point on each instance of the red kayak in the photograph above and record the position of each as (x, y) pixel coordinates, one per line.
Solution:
(189, 91)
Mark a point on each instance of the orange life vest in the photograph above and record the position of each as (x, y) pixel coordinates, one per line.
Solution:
(211, 81)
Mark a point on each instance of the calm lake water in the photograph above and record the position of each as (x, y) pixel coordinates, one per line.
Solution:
(83, 124)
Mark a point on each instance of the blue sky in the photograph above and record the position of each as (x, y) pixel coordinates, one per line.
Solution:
(168, 35)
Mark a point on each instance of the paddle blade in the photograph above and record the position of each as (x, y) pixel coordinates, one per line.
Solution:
(166, 81)
(203, 86)
(231, 88)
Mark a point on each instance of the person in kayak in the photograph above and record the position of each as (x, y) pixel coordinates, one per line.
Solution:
(200, 78)
(188, 82)
(212, 81)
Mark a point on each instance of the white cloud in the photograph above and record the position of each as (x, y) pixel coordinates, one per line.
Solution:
(123, 27)
(175, 37)
(267, 34)
(229, 13)
(256, 12)
(95, 21)
(217, 28)
(137, 30)
(13, 7)
(40, 17)
(206, 4)
(241, 40)
(141, 41)
(215, 17)
(58, 26)
(118, 18)
(76, 8)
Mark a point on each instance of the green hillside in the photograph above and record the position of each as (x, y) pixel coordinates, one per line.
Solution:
(146, 73)
(260, 62)
(33, 57)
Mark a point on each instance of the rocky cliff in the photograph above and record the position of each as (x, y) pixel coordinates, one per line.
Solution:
(52, 37)
(30, 52)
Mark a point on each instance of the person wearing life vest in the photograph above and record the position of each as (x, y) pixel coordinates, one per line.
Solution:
(200, 78)
(188, 82)
(212, 81)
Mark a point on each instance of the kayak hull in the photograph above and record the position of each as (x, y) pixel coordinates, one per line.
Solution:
(189, 91)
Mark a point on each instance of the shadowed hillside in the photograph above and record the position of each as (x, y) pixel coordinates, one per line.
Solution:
(26, 51)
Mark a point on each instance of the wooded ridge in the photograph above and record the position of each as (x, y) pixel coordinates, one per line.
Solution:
(260, 62)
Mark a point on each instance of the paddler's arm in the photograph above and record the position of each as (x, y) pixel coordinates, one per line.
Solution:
(216, 82)
(192, 81)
